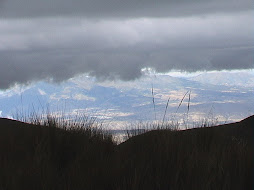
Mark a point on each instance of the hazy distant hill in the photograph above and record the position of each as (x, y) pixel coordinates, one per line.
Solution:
(132, 101)
(243, 79)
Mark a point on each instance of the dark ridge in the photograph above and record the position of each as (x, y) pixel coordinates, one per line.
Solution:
(39, 157)
(11, 122)
(242, 129)
(219, 157)
(249, 119)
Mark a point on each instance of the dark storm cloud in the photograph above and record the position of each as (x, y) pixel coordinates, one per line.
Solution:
(203, 60)
(25, 66)
(119, 8)
(62, 47)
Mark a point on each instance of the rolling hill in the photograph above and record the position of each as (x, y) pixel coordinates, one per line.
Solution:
(48, 157)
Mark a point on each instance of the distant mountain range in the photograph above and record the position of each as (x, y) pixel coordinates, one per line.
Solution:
(243, 79)
(221, 96)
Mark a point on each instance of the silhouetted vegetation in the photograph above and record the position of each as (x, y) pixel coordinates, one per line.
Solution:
(55, 155)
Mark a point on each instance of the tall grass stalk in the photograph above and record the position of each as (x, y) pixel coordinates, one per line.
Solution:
(181, 102)
(165, 111)
(153, 103)
(188, 110)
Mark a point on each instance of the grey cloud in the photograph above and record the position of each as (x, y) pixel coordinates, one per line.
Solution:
(202, 60)
(116, 8)
(58, 49)
(26, 66)
(23, 67)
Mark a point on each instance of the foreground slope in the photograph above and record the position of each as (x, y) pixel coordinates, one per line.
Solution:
(46, 157)
(218, 157)
(40, 157)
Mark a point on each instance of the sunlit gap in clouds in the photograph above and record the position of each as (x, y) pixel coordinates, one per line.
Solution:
(177, 73)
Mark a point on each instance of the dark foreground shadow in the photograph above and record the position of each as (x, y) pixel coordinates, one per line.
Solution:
(39, 157)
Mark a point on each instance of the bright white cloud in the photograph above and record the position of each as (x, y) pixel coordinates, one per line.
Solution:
(42, 92)
(83, 97)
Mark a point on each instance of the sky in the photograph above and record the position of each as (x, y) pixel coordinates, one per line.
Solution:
(118, 40)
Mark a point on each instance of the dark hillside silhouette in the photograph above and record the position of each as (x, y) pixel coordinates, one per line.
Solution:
(49, 157)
